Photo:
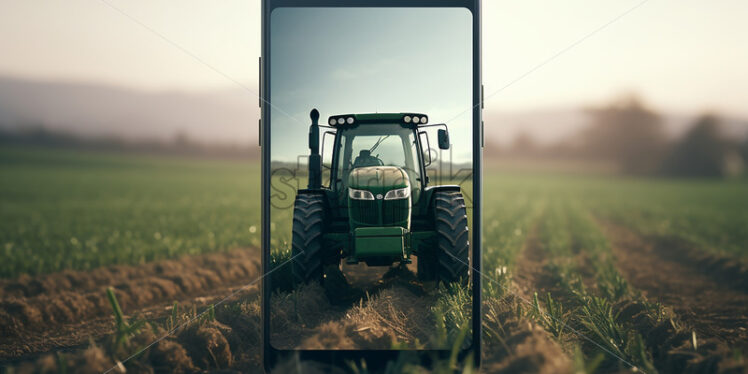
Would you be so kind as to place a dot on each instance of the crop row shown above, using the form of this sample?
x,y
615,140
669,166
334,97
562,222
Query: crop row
x,y
76,210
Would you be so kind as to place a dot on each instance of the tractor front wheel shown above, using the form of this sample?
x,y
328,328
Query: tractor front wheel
x,y
449,262
306,242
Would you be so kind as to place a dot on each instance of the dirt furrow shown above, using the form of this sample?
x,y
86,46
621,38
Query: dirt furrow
x,y
514,345
530,274
665,274
37,314
518,344
26,286
375,308
231,340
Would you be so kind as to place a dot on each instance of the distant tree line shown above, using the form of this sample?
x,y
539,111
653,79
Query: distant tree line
x,y
629,134
181,144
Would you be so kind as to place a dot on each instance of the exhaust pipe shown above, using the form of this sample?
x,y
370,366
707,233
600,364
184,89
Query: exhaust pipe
x,y
315,160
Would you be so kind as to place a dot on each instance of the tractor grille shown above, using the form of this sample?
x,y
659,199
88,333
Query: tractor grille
x,y
395,212
364,212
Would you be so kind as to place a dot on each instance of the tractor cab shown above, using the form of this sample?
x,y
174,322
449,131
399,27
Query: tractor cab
x,y
365,148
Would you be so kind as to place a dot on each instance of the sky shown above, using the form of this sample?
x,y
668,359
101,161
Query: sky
x,y
369,60
681,55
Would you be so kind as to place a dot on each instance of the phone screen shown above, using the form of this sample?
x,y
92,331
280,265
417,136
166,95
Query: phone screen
x,y
371,178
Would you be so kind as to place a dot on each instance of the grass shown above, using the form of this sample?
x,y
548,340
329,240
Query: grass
x,y
565,213
553,319
585,254
81,210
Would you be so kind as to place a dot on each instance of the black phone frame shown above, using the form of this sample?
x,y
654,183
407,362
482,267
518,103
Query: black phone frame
x,y
374,358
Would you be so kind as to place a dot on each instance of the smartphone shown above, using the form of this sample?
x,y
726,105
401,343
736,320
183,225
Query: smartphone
x,y
371,139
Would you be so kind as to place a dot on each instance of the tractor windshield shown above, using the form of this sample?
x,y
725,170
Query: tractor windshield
x,y
378,145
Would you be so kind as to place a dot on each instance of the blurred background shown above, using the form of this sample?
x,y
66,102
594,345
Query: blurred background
x,y
645,94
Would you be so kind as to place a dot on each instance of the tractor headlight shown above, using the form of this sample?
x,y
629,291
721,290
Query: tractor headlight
x,y
416,119
349,120
341,120
400,193
332,121
360,194
407,119
424,119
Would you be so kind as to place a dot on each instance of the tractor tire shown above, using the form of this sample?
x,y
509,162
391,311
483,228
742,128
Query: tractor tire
x,y
451,226
306,244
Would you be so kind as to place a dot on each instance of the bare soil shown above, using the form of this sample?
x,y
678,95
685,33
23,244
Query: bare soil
x,y
371,309
230,342
376,307
65,310
665,274
530,275
525,346
521,346
366,308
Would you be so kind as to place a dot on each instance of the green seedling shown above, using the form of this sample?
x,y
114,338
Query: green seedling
x,y
123,330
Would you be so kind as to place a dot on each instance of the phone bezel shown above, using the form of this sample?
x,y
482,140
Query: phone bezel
x,y
272,355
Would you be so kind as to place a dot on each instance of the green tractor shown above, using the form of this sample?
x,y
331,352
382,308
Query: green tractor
x,y
378,207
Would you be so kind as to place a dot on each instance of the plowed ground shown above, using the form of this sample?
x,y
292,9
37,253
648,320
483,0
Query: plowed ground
x,y
66,309
64,312
666,271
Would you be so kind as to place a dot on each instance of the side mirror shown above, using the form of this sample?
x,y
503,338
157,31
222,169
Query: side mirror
x,y
443,136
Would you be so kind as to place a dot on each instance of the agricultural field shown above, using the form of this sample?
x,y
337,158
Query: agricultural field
x,y
619,272
83,210
103,253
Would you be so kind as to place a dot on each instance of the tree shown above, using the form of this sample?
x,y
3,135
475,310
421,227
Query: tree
x,y
627,133
702,152
524,144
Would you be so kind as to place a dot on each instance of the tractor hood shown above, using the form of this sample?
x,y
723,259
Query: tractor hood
x,y
378,179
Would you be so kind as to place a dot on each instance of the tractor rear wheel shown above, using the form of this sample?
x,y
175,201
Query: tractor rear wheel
x,y
306,242
451,259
